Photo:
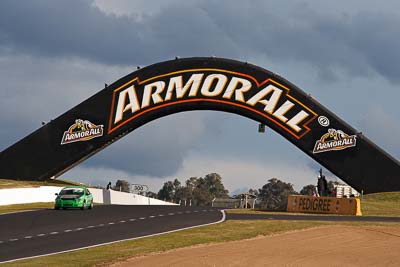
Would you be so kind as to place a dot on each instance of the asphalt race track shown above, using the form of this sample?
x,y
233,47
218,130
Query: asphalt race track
x,y
43,232
29,234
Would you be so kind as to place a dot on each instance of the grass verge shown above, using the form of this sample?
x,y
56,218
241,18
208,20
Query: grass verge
x,y
4,183
381,204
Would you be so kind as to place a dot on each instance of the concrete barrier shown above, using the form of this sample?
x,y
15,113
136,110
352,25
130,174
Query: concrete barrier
x,y
329,205
122,198
28,195
12,196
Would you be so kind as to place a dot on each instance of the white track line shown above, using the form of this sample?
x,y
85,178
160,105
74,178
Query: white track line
x,y
128,239
110,223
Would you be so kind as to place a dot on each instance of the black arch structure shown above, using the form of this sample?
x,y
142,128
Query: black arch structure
x,y
201,84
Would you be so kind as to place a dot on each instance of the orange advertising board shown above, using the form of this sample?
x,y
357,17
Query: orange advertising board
x,y
328,205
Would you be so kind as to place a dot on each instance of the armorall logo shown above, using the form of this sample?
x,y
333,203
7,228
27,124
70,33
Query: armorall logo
x,y
267,98
81,130
334,140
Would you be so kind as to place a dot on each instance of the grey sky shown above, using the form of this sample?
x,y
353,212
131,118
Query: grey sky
x,y
55,54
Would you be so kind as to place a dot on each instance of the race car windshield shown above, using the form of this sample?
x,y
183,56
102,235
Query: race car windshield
x,y
72,192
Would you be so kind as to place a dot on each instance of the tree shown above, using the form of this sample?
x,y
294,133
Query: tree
x,y
123,186
200,191
308,190
167,192
253,192
215,185
184,194
274,194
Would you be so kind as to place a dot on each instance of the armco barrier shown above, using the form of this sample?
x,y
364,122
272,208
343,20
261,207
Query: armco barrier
x,y
12,196
329,205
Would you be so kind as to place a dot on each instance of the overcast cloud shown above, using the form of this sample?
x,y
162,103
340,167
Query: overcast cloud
x,y
55,54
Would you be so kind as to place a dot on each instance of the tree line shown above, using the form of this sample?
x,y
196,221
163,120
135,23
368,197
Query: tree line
x,y
201,191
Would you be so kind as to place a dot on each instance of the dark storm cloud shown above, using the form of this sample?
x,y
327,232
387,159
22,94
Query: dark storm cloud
x,y
55,54
357,44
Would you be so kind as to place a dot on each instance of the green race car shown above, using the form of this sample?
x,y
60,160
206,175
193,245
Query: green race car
x,y
74,197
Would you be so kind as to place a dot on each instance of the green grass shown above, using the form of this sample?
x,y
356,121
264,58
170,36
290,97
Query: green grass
x,y
381,204
4,183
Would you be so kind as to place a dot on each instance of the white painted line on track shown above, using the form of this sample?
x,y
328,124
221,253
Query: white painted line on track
x,y
102,224
128,239
110,223
13,239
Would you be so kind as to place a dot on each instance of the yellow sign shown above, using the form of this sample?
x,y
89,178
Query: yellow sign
x,y
329,205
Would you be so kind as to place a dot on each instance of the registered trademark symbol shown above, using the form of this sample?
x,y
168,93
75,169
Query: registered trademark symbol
x,y
323,121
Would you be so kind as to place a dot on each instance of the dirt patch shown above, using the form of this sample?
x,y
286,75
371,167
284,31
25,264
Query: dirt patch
x,y
325,246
